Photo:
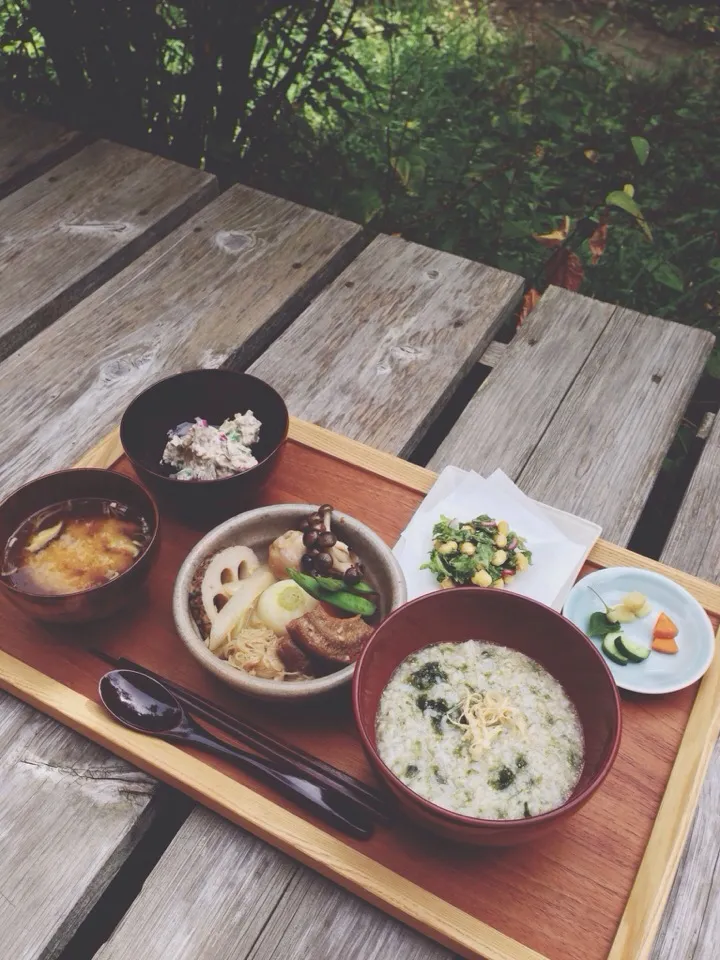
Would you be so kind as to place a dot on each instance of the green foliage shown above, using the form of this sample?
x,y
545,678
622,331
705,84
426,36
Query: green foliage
x,y
200,80
471,141
412,116
692,21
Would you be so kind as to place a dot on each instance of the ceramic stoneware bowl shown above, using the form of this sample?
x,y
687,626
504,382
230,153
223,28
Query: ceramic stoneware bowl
x,y
257,529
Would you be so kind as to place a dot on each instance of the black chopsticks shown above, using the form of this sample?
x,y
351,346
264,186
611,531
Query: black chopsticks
x,y
373,801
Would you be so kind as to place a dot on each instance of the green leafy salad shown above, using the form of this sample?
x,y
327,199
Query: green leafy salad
x,y
483,552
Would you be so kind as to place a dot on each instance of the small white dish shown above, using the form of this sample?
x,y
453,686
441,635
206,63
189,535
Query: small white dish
x,y
661,672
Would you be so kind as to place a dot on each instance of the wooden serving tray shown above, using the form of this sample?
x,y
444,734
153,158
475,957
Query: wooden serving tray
x,y
594,889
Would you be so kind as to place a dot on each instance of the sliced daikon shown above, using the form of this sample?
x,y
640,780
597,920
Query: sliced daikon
x,y
282,602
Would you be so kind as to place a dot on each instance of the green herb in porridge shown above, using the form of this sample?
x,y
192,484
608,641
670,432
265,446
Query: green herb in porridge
x,y
472,724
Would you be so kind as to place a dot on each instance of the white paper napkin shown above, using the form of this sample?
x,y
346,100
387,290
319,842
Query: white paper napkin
x,y
559,541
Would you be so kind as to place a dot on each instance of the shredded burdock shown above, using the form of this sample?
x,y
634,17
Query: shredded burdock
x,y
482,717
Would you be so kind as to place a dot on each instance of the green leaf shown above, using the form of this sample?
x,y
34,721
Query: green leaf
x,y
642,149
402,168
618,198
516,229
668,275
599,23
714,264
599,625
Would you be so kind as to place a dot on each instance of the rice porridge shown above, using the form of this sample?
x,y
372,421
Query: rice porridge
x,y
481,730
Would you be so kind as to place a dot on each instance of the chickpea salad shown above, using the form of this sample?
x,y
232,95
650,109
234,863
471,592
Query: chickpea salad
x,y
482,552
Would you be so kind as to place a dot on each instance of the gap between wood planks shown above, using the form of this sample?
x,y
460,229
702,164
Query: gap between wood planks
x,y
171,811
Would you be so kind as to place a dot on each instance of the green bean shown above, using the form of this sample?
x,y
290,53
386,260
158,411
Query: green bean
x,y
330,583
362,587
350,602
342,598
304,580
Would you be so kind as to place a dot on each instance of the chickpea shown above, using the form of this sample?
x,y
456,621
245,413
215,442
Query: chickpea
x,y
481,579
437,544
521,561
447,582
468,549
498,583
468,526
498,558
503,527
449,547
500,540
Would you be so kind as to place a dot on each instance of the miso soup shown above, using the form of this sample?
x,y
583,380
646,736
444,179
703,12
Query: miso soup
x,y
73,546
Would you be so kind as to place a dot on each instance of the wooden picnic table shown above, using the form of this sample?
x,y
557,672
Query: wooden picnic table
x,y
117,267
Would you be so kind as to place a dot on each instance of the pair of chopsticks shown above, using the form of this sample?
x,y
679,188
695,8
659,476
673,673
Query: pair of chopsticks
x,y
375,803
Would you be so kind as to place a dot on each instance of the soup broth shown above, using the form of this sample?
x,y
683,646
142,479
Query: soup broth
x,y
73,546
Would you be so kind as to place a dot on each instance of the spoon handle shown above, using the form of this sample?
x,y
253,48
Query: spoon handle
x,y
335,808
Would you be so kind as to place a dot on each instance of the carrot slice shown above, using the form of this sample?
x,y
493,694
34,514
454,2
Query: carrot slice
x,y
664,628
665,645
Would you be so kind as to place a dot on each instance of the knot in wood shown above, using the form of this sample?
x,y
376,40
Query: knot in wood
x,y
233,241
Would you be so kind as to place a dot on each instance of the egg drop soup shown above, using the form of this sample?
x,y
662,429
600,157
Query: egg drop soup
x,y
74,546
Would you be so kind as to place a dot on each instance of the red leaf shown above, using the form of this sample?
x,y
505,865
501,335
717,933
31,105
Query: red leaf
x,y
597,242
565,269
529,301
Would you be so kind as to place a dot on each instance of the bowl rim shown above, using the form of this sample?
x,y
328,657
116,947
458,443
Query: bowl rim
x,y
199,484
75,472
238,679
459,819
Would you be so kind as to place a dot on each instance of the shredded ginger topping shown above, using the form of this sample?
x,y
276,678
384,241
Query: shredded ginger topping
x,y
482,717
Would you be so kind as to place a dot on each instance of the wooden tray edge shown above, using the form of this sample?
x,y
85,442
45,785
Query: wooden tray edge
x,y
643,910
649,894
301,840
604,553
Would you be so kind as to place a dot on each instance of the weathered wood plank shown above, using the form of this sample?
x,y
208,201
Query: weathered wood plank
x,y
694,541
70,230
319,920
29,146
69,815
582,407
210,895
220,285
378,354
690,927
602,451
406,326
494,354
219,890
502,424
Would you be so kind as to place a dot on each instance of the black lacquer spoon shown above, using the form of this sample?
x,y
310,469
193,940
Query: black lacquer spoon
x,y
144,704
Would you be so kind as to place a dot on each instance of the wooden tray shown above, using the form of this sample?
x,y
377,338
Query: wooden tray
x,y
595,889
